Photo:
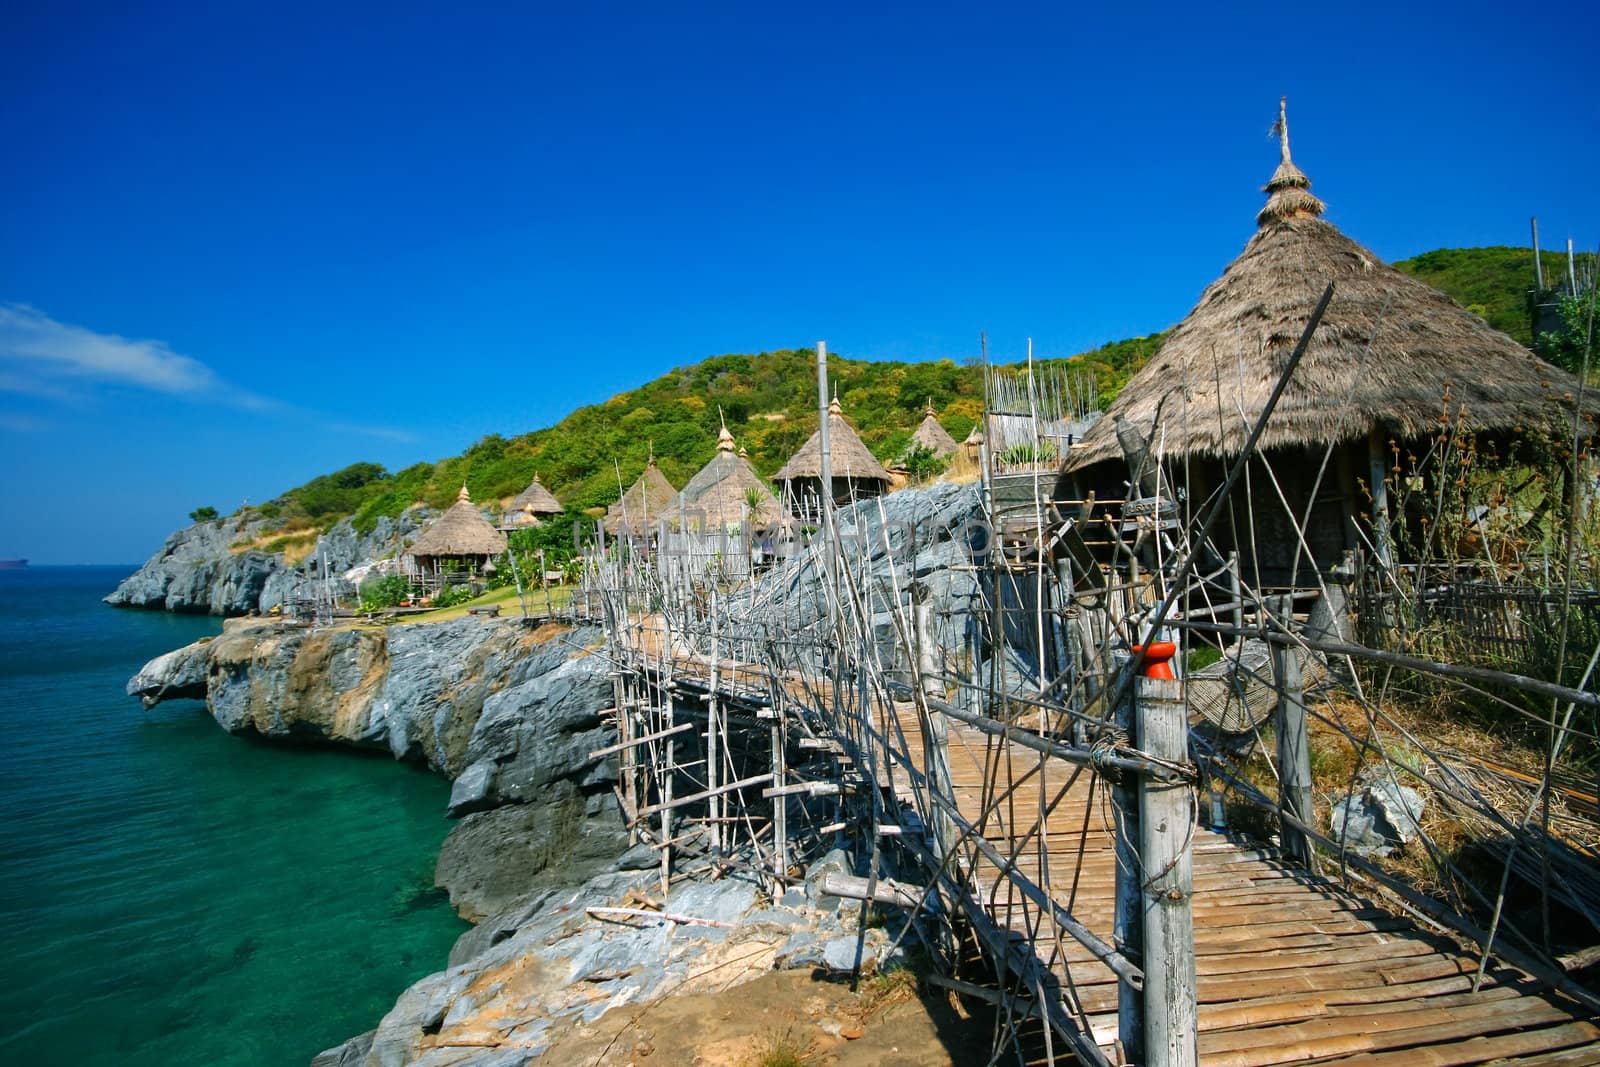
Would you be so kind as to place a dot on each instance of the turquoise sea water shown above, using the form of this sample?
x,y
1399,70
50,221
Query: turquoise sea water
x,y
173,895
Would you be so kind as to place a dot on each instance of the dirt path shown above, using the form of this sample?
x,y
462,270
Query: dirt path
x,y
814,1022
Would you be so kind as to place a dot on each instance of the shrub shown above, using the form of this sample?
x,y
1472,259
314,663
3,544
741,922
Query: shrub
x,y
452,595
922,464
385,592
205,514
1026,452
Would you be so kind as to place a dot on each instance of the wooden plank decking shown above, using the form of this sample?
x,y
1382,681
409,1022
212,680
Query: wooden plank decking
x,y
1292,969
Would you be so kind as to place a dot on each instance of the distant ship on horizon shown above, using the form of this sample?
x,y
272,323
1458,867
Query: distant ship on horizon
x,y
12,564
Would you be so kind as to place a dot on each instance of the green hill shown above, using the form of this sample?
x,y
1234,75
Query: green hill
x,y
769,402
1493,282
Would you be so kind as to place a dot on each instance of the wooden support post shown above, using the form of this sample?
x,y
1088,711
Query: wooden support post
x,y
713,729
1235,590
936,751
780,810
1294,746
667,772
626,771
1166,837
1378,470
1128,924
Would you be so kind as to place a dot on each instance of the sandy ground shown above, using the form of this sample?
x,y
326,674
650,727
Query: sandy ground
x,y
818,1022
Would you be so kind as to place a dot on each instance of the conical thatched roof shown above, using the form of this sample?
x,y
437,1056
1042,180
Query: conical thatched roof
x,y
848,457
932,436
460,531
536,500
1216,370
643,503
718,493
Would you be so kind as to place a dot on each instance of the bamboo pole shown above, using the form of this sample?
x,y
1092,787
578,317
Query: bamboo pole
x,y
1128,921
1294,746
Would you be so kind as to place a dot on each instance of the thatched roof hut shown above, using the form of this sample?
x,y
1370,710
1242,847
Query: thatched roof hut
x,y
1388,351
855,470
724,492
932,436
459,540
643,503
535,500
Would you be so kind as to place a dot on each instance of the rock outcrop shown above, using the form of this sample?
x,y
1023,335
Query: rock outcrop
x,y
419,691
198,571
556,959
202,569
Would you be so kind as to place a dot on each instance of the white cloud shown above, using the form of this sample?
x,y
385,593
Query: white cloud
x,y
48,360
38,348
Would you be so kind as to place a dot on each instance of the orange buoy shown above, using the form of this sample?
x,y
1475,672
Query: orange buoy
x,y
1156,655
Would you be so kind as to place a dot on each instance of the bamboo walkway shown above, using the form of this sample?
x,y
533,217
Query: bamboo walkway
x,y
1291,968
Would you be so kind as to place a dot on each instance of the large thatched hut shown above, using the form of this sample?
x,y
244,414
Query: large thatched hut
x,y
724,494
1390,357
643,503
531,507
930,434
459,545
855,471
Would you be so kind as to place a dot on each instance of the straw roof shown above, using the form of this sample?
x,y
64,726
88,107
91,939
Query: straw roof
x,y
535,500
932,436
848,457
719,492
1386,352
460,531
644,501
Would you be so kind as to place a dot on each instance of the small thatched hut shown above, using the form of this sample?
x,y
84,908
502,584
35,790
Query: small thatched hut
x,y
643,503
457,546
724,493
932,436
1390,355
855,471
530,507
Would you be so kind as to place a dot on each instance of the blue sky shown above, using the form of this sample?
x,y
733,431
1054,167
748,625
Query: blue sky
x,y
242,245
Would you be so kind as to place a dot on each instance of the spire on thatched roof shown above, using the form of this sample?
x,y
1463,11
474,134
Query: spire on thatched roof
x,y
722,491
460,531
643,503
932,436
1288,190
536,499
848,457
1387,350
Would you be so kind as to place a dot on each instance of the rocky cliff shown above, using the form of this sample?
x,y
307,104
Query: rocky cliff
x,y
510,715
203,569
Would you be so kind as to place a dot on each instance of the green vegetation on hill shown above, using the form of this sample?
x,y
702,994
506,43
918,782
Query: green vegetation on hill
x,y
769,402
1493,282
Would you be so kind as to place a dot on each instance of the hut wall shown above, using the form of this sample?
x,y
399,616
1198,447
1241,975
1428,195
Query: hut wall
x,y
1262,530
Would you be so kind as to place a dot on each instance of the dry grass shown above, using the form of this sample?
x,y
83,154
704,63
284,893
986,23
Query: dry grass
x,y
295,544
784,1046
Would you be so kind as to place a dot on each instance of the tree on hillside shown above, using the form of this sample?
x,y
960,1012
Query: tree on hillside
x,y
1573,345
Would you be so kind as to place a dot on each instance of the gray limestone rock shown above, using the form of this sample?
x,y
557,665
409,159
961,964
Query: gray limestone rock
x,y
493,858
208,567
1380,817
199,570
176,675
544,729
351,1053
472,789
